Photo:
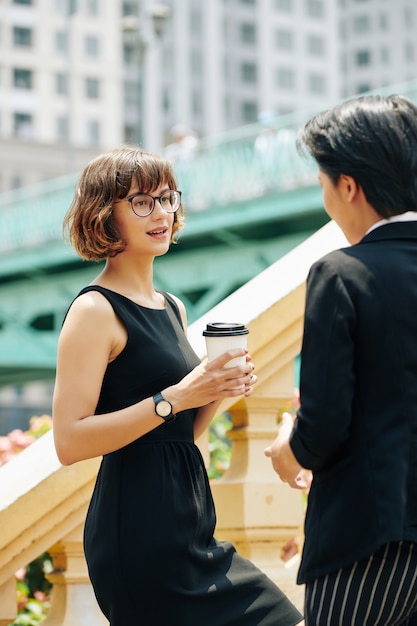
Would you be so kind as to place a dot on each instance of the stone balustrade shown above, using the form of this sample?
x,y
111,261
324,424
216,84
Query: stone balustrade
x,y
43,505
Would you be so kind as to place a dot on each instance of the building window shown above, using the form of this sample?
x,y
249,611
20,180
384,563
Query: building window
x,y
93,132
167,99
131,95
130,8
28,2
130,56
91,44
285,78
92,88
249,112
17,181
196,23
22,36
315,45
361,24
409,17
314,8
92,7
61,41
129,133
23,125
197,102
62,128
317,84
363,57
363,88
196,63
65,7
248,72
284,5
385,56
61,84
284,39
22,79
383,21
409,51
248,33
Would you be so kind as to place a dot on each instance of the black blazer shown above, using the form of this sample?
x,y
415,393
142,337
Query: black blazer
x,y
357,426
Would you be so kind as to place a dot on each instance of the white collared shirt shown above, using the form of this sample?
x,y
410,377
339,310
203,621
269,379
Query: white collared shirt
x,y
408,216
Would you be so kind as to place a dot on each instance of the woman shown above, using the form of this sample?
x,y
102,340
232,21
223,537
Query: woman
x,y
130,388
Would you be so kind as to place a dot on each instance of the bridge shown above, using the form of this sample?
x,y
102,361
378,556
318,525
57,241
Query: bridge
x,y
42,504
249,198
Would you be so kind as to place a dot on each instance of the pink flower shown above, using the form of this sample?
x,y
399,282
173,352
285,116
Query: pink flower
x,y
21,573
20,439
5,444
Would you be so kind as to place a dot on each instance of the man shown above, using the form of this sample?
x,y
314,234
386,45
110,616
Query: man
x,y
356,428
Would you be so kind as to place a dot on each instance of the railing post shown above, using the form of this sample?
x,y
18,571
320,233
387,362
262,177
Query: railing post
x,y
8,602
73,601
255,510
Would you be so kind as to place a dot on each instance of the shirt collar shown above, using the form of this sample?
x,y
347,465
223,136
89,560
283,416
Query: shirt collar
x,y
408,216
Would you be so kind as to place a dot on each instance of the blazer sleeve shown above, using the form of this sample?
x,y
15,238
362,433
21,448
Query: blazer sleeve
x,y
327,376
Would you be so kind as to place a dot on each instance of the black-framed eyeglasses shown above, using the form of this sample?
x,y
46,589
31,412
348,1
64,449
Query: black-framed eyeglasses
x,y
143,204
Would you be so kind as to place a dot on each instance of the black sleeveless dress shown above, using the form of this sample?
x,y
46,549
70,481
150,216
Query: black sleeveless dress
x,y
149,545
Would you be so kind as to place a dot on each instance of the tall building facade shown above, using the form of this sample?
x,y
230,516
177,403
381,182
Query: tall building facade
x,y
60,86
80,76
378,45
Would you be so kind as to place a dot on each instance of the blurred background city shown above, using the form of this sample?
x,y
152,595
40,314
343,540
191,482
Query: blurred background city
x,y
218,86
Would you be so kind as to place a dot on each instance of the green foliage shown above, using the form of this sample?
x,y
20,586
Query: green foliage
x,y
32,588
220,446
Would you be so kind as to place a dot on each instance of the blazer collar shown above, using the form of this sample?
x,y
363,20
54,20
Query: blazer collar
x,y
393,230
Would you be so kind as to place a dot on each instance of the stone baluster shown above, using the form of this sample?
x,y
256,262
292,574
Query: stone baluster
x,y
8,605
255,510
73,600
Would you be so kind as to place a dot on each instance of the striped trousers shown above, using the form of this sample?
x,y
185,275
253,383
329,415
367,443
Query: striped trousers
x,y
380,590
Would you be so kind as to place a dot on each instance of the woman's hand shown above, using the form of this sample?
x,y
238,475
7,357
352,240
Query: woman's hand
x,y
211,381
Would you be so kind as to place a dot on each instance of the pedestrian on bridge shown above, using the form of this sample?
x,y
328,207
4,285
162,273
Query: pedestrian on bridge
x,y
356,427
130,388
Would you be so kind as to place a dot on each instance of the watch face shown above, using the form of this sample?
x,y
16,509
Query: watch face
x,y
163,408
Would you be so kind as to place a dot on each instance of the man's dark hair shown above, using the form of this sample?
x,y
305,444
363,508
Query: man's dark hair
x,y
374,140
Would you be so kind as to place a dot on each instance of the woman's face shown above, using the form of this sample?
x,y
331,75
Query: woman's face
x,y
150,235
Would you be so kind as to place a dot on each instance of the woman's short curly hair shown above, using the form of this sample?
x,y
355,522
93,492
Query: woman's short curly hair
x,y
108,177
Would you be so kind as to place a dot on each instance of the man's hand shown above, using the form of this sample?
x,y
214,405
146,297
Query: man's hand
x,y
283,460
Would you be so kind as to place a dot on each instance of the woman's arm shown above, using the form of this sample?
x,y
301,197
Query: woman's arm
x,y
91,337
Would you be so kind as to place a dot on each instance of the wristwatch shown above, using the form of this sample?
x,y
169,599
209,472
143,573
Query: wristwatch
x,y
163,408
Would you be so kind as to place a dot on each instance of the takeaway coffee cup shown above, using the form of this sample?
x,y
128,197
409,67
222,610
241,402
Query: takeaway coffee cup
x,y
223,336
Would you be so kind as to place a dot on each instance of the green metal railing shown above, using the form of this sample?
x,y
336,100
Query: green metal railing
x,y
247,163
233,168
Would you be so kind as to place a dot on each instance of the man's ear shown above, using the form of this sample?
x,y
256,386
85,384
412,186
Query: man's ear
x,y
349,187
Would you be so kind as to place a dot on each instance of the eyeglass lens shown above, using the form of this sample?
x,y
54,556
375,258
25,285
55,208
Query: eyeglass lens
x,y
143,204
